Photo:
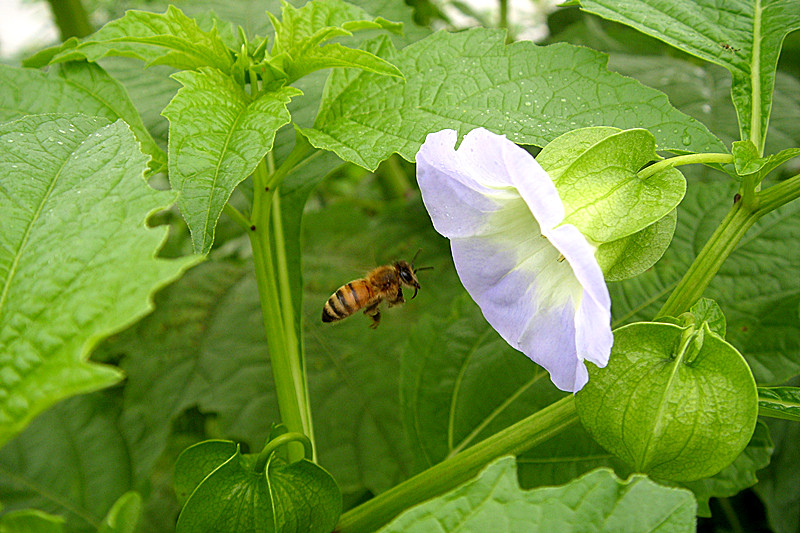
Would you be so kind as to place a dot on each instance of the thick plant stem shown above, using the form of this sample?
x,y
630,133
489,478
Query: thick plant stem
x,y
744,213
284,350
460,468
392,179
71,18
779,194
709,260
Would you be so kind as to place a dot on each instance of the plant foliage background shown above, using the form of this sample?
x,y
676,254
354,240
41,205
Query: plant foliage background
x,y
434,378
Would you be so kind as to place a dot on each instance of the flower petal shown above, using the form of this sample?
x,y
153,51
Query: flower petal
x,y
502,212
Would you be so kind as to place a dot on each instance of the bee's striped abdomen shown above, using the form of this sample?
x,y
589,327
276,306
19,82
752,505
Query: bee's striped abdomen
x,y
347,300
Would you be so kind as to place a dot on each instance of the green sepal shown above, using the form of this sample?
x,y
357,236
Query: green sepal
x,y
630,256
779,402
603,195
705,311
676,403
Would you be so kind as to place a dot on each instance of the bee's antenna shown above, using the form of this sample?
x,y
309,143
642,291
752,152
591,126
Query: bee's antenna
x,y
422,268
415,257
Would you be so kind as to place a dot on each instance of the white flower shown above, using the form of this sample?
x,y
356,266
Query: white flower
x,y
536,280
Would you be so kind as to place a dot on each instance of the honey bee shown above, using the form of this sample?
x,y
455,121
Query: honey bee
x,y
383,283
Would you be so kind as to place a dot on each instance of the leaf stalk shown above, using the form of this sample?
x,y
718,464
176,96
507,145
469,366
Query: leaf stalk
x,y
460,468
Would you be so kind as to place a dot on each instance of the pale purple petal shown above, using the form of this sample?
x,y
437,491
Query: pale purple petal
x,y
501,212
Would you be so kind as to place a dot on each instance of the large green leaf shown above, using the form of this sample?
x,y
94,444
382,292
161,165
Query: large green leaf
x,y
449,360
69,87
471,79
744,36
756,287
76,258
778,487
169,38
598,501
73,461
217,137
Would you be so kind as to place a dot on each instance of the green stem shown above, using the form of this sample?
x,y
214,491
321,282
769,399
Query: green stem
x,y
237,216
277,442
297,362
460,468
71,18
687,159
392,179
708,262
289,377
744,213
301,148
503,22
778,195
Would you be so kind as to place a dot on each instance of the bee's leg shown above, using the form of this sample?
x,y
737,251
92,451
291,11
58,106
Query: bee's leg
x,y
374,313
398,298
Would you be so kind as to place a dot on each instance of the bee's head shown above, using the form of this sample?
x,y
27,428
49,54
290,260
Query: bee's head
x,y
408,274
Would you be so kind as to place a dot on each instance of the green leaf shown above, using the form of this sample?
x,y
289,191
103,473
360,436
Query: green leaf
x,y
603,195
778,487
598,501
170,38
472,79
72,461
150,89
231,496
756,287
779,402
71,86
676,403
30,521
217,137
197,462
744,38
300,33
630,256
124,514
706,311
747,160
74,244
449,359
306,496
